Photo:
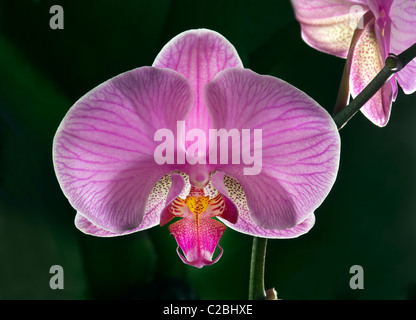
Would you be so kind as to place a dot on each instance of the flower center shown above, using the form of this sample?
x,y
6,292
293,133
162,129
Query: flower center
x,y
199,176
197,204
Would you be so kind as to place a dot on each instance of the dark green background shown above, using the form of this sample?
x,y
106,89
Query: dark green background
x,y
368,219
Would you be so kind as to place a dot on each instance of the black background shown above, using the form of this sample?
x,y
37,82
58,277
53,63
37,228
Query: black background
x,y
368,219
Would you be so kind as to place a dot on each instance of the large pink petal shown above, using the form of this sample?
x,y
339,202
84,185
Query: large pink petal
x,y
403,35
199,55
328,25
103,149
366,62
299,151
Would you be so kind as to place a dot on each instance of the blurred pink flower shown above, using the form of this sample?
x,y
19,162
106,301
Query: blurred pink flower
x,y
365,31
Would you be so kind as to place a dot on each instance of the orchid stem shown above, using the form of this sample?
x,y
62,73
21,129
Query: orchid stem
x,y
258,258
392,65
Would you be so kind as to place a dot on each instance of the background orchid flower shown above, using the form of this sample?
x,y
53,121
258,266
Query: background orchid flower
x,y
103,151
365,32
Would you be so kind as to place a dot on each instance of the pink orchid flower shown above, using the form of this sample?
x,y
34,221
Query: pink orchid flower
x,y
365,32
104,151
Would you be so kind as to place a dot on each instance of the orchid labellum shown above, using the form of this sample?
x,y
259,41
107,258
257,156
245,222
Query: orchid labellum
x,y
107,160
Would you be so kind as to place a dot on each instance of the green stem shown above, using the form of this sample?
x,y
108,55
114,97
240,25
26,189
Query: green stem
x,y
392,65
258,257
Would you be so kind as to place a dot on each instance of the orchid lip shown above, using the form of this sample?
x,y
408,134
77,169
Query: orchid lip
x,y
199,263
197,233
